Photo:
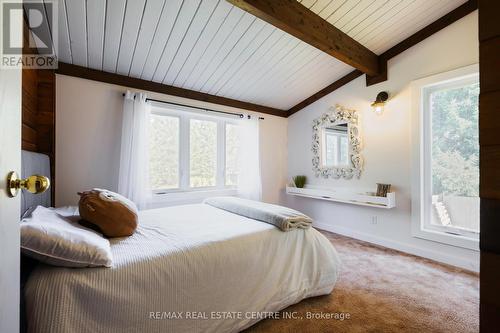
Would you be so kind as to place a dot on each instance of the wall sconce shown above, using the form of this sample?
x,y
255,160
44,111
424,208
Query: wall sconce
x,y
378,105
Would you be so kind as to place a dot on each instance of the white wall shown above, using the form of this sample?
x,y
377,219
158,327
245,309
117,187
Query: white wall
x,y
387,149
88,132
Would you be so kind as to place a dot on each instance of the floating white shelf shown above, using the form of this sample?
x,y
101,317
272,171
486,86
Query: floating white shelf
x,y
349,197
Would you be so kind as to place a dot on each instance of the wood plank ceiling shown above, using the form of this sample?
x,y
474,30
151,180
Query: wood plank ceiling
x,y
213,47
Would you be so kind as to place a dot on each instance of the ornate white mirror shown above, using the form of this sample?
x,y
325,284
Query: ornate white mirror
x,y
337,145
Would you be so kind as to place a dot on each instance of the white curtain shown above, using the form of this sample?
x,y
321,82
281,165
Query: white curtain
x,y
249,180
133,181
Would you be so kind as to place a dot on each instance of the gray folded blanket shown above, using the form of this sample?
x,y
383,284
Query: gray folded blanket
x,y
282,217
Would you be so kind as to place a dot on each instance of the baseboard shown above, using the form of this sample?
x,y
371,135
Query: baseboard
x,y
425,253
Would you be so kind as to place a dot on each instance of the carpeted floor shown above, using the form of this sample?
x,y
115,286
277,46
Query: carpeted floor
x,y
386,291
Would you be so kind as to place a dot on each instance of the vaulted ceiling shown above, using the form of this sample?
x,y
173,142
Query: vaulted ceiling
x,y
213,47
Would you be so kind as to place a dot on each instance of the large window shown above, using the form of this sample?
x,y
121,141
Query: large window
x,y
190,151
449,172
454,155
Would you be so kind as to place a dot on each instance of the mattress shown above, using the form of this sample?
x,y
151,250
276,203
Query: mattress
x,y
192,268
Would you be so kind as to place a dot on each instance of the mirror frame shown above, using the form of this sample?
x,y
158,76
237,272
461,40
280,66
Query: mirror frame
x,y
335,115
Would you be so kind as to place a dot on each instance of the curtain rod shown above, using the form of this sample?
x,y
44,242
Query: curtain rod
x,y
241,115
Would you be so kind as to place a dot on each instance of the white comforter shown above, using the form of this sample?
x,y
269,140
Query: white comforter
x,y
192,268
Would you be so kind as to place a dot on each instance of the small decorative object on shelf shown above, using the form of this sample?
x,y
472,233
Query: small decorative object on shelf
x,y
383,189
299,181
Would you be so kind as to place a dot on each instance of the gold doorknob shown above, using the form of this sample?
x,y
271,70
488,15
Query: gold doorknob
x,y
35,184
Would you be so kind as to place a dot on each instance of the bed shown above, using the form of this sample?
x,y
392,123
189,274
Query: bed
x,y
192,268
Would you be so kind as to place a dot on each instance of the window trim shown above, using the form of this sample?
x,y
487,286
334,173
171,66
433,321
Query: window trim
x,y
420,151
185,114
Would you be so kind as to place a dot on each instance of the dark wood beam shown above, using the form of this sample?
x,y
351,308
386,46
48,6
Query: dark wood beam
x,y
121,80
489,165
419,36
295,19
414,39
325,91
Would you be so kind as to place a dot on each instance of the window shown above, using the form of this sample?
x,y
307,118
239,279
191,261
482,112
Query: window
x,y
449,158
190,151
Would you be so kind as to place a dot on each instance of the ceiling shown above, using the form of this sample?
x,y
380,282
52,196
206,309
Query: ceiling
x,y
213,47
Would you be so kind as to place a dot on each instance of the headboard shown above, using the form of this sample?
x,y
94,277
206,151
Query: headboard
x,y
34,163
31,163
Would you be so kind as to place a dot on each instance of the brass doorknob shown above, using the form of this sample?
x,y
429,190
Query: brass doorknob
x,y
35,184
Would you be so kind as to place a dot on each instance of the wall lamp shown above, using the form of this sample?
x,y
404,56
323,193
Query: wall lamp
x,y
378,105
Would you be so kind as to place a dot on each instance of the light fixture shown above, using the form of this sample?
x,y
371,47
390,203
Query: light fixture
x,y
378,105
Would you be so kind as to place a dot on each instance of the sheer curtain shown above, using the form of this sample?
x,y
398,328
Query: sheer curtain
x,y
249,180
133,181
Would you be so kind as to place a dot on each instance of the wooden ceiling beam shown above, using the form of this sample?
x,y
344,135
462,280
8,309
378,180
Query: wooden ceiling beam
x,y
414,39
126,81
295,19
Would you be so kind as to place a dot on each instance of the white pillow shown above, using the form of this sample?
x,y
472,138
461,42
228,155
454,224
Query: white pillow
x,y
58,239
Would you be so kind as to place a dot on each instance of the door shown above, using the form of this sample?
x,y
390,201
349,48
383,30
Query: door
x,y
489,150
10,159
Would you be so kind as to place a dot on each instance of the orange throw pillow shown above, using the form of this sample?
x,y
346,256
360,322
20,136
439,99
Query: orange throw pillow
x,y
113,214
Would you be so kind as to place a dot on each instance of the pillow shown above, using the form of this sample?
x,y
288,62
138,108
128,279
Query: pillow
x,y
57,240
113,214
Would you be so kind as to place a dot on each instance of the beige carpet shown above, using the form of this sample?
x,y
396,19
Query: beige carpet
x,y
388,291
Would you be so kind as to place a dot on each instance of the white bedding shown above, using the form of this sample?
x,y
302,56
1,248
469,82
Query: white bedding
x,y
183,261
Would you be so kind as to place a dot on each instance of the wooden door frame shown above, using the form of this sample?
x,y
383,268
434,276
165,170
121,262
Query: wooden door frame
x,y
489,140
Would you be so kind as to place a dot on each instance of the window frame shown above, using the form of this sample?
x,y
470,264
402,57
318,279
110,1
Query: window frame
x,y
422,152
185,114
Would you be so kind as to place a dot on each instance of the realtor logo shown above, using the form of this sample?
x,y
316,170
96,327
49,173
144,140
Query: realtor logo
x,y
29,34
